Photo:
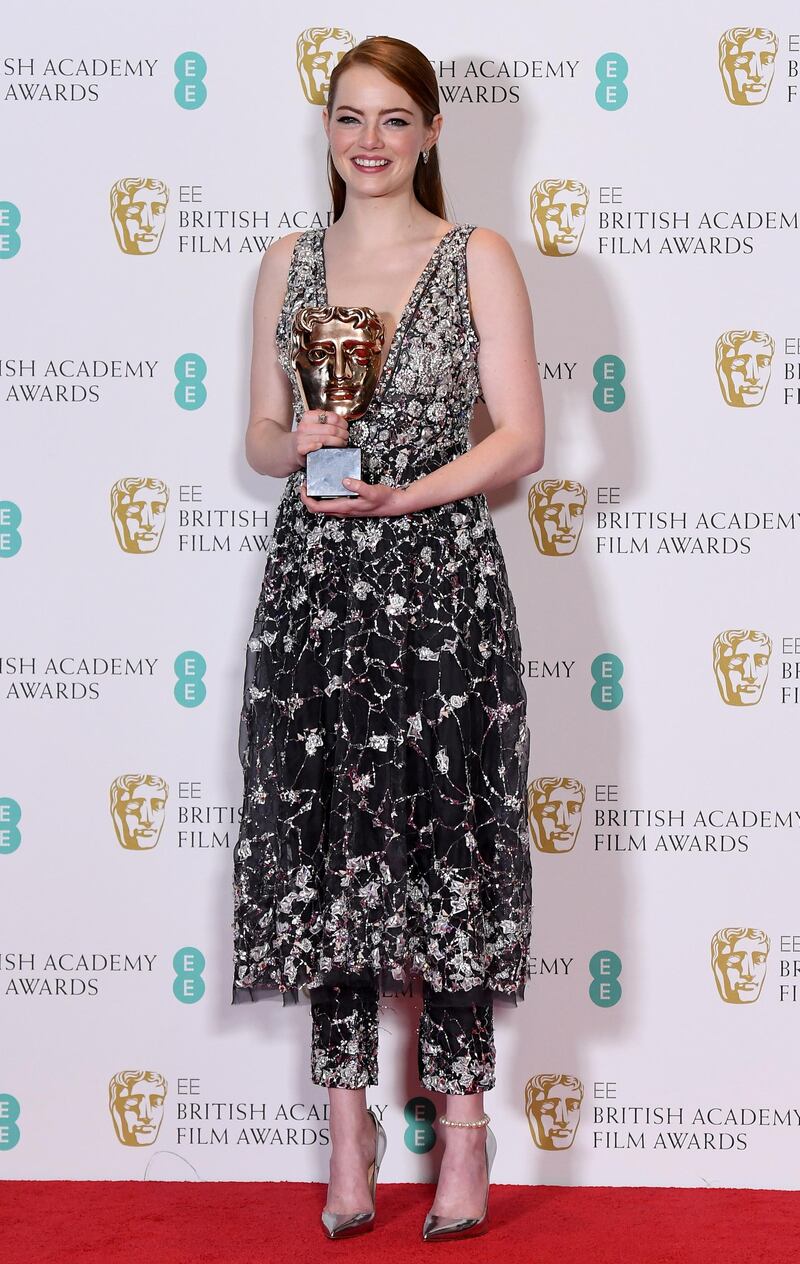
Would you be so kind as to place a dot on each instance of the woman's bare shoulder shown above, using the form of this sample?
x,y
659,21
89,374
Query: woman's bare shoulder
x,y
488,248
277,257
492,263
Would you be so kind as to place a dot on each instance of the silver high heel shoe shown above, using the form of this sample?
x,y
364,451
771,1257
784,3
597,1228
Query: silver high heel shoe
x,y
341,1224
443,1228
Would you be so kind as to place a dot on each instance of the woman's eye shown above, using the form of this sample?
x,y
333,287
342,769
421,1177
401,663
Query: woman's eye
x,y
399,121
346,118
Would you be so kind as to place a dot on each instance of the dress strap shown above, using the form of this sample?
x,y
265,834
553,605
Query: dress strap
x,y
303,287
460,251
304,282
462,280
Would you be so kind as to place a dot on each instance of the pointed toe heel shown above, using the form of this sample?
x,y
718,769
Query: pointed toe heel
x,y
437,1228
450,1229
348,1224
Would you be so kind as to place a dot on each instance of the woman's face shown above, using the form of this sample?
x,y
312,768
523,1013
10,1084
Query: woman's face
x,y
376,131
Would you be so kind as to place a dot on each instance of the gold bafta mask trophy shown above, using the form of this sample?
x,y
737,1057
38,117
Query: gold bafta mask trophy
x,y
336,352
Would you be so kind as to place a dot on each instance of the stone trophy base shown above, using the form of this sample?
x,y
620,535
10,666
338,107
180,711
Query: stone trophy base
x,y
325,469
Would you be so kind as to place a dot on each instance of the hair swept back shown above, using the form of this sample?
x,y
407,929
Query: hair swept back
x,y
405,65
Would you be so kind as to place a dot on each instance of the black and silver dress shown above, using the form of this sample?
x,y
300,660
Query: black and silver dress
x,y
383,735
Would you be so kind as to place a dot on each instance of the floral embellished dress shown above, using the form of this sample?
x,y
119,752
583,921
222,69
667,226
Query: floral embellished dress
x,y
383,734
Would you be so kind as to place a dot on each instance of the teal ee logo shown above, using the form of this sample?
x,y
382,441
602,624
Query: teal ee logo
x,y
190,71
10,538
611,70
9,1114
9,223
419,1115
606,690
189,985
190,371
609,393
10,836
605,968
190,668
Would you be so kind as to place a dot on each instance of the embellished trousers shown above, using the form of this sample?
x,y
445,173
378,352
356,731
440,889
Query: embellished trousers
x,y
455,1047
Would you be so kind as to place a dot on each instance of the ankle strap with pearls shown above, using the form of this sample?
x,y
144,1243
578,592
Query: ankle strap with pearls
x,y
465,1123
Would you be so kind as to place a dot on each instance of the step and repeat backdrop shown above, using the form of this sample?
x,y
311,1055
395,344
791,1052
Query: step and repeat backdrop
x,y
644,167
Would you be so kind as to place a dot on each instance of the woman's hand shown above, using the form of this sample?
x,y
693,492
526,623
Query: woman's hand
x,y
374,500
320,428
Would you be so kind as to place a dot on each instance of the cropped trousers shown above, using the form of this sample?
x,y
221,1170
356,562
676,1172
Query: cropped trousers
x,y
455,1046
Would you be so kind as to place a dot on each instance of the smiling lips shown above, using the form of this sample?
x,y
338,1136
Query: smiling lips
x,y
363,163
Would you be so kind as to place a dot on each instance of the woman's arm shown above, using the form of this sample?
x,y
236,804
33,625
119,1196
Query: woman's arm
x,y
270,443
509,377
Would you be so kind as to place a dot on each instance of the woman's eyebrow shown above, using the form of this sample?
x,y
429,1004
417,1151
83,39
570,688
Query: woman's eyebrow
x,y
354,110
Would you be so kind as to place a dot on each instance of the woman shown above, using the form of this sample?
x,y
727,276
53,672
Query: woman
x,y
384,738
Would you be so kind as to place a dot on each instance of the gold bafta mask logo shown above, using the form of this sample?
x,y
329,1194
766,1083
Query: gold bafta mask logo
x,y
136,1103
741,665
558,215
747,63
138,213
319,50
138,511
138,804
555,511
739,963
553,1107
555,805
744,365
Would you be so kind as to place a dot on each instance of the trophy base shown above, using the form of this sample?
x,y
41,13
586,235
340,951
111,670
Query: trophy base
x,y
325,469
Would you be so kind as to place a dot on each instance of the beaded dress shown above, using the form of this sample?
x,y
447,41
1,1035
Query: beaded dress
x,y
383,733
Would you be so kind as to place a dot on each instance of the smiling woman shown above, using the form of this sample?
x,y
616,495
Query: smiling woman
x,y
384,737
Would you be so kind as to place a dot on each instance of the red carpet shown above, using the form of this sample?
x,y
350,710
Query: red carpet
x,y
74,1222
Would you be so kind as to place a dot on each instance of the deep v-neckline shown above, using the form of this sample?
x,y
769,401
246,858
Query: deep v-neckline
x,y
408,309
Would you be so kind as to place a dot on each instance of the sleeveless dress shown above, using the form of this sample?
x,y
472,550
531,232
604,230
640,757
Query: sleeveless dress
x,y
383,733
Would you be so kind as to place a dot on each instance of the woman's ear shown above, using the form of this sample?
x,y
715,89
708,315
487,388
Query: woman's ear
x,y
435,130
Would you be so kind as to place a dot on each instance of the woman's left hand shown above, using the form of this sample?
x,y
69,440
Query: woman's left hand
x,y
374,500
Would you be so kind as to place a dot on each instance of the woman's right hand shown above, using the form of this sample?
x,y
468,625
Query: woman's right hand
x,y
313,433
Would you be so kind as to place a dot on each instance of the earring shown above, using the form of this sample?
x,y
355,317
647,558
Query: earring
x,y
426,153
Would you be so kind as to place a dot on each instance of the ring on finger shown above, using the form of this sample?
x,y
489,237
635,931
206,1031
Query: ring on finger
x,y
323,417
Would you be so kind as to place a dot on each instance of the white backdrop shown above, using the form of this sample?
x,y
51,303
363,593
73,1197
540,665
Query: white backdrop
x,y
680,1075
